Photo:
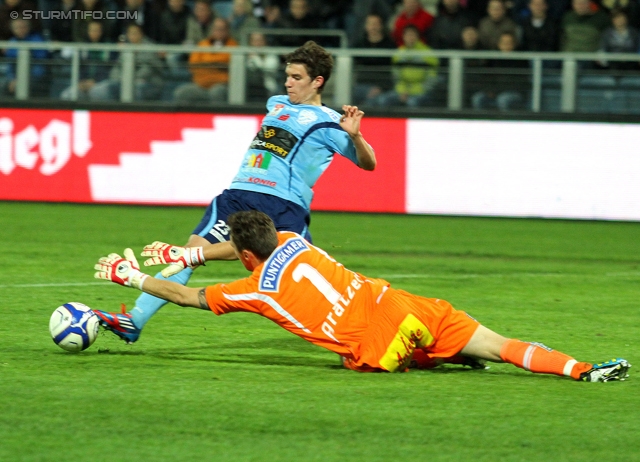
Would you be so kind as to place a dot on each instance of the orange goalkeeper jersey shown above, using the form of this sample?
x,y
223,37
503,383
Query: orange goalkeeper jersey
x,y
304,290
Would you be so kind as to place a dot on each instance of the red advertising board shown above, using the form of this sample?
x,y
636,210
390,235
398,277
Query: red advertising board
x,y
99,156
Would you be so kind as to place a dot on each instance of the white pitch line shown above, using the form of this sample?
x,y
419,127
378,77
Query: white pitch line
x,y
84,284
52,284
503,275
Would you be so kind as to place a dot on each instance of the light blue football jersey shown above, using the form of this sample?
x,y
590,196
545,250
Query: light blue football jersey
x,y
294,146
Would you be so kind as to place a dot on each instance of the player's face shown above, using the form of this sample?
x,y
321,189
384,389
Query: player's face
x,y
241,257
300,88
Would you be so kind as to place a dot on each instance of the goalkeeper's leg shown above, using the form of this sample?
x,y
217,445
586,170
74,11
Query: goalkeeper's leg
x,y
531,356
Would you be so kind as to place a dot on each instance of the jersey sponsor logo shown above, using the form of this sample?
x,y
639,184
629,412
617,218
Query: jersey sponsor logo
x,y
284,117
275,140
276,109
278,261
333,114
261,181
258,163
306,116
412,334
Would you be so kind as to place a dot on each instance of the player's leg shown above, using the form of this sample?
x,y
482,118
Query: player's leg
x,y
147,305
128,326
536,357
286,215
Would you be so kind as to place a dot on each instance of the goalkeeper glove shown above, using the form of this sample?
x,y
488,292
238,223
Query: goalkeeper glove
x,y
124,271
178,258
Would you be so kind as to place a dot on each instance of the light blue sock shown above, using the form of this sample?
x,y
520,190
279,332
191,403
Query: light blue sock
x,y
147,305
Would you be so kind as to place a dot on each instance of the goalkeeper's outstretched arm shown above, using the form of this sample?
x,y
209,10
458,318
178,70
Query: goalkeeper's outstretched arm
x,y
175,293
126,271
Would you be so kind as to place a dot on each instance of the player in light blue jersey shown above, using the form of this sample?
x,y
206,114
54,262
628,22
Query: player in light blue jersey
x,y
294,146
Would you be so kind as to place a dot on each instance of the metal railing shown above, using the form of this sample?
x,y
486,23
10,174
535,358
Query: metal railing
x,y
568,69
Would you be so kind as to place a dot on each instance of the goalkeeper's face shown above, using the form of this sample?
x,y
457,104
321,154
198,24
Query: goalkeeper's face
x,y
301,89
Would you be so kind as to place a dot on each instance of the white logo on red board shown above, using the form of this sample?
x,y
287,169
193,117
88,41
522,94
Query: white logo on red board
x,y
53,146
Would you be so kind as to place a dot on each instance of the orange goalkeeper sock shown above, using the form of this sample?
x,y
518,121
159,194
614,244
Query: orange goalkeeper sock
x,y
536,357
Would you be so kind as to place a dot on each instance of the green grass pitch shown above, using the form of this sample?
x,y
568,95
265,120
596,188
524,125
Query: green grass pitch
x,y
239,388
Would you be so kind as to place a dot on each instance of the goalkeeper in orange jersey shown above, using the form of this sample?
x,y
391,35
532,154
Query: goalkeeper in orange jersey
x,y
371,325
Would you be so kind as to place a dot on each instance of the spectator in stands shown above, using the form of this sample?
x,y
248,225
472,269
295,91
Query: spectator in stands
x,y
95,65
496,23
173,23
242,20
539,31
414,76
39,72
446,31
262,70
505,88
372,74
173,31
90,8
620,38
299,16
555,10
12,9
478,8
61,30
581,28
210,71
332,13
147,74
144,13
200,22
473,80
630,7
360,10
411,13
272,20
470,39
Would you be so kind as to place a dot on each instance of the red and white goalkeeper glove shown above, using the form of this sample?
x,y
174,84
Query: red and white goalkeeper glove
x,y
124,271
178,258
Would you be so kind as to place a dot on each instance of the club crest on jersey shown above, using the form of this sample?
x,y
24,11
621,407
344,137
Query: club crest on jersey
x,y
278,261
306,117
277,109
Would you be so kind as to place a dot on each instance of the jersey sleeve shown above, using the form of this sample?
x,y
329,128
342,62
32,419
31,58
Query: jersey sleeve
x,y
221,297
339,141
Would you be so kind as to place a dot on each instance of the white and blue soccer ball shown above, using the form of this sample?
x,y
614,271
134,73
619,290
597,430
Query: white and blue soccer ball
x,y
74,326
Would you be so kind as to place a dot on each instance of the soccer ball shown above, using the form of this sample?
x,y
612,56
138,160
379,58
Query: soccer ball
x,y
73,326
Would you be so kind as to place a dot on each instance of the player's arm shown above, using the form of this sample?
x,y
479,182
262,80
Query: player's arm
x,y
126,271
179,258
175,293
219,251
350,123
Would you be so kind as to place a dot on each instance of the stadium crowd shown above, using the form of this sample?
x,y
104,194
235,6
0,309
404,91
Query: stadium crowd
x,y
610,26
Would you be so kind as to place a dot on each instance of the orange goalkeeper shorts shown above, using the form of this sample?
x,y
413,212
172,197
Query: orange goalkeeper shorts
x,y
403,322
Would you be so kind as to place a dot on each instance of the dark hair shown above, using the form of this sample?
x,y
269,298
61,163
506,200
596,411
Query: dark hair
x,y
316,60
412,27
618,12
253,230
